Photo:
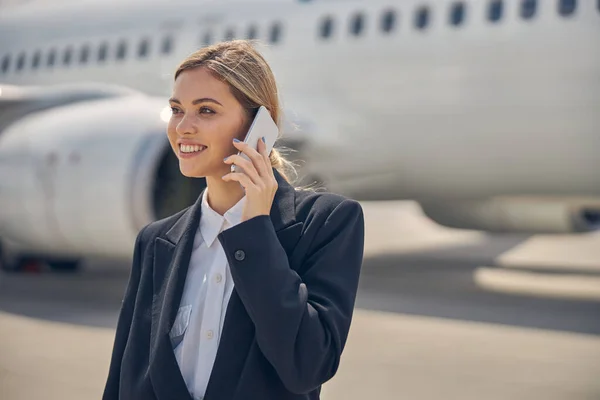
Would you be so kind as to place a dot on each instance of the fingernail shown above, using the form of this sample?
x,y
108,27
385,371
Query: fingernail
x,y
225,159
263,139
236,140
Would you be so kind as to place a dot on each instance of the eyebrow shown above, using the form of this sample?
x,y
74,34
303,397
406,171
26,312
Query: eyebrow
x,y
197,101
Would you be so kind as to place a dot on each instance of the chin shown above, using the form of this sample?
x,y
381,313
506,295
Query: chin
x,y
190,171
189,174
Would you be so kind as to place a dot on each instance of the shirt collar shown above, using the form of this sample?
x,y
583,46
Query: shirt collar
x,y
212,223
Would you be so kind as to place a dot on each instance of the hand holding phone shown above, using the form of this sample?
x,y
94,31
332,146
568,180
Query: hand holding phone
x,y
259,187
262,126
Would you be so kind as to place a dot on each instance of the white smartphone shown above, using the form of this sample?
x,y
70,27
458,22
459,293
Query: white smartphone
x,y
262,126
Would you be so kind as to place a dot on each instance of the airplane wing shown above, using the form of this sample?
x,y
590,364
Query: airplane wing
x,y
18,101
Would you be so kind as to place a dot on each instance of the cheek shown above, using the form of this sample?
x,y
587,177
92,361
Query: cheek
x,y
222,135
236,129
222,147
171,130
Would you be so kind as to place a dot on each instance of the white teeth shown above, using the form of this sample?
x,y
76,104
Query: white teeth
x,y
190,148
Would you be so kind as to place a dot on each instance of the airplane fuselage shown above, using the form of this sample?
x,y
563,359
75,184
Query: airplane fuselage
x,y
406,101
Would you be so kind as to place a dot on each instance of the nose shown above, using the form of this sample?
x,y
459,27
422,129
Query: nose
x,y
185,125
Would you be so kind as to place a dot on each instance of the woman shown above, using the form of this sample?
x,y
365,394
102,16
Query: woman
x,y
248,293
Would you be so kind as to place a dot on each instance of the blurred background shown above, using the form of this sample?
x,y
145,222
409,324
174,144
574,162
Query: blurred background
x,y
468,129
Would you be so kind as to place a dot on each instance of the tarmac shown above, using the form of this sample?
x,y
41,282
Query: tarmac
x,y
440,313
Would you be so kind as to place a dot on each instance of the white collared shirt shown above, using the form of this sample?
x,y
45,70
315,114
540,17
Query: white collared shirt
x,y
206,293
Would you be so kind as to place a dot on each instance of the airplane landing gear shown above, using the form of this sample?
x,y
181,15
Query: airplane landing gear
x,y
22,263
64,265
10,263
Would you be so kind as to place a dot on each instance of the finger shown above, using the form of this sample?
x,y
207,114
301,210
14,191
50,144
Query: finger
x,y
239,177
253,155
247,166
262,149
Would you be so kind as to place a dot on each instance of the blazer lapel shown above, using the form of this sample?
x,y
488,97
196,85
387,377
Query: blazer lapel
x,y
283,213
171,260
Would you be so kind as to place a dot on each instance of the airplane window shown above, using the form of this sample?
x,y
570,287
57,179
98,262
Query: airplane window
x,y
388,21
207,39
422,18
567,7
495,9
229,35
121,50
143,48
457,14
20,61
167,45
5,63
275,33
528,8
102,52
35,61
252,32
327,27
51,58
67,56
357,24
84,56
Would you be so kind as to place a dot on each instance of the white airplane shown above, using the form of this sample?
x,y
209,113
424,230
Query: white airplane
x,y
484,111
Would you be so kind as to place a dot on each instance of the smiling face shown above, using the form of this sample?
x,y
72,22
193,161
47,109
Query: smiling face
x,y
206,117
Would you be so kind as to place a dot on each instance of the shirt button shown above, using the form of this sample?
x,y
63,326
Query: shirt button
x,y
218,278
240,255
210,334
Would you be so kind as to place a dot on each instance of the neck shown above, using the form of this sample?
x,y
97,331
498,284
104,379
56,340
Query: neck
x,y
221,195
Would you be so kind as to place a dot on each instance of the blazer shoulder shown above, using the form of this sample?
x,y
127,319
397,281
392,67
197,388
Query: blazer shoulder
x,y
160,227
319,206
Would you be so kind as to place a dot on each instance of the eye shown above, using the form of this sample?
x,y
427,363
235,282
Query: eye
x,y
206,110
175,110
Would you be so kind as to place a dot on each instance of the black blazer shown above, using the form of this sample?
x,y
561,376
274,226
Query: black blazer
x,y
295,274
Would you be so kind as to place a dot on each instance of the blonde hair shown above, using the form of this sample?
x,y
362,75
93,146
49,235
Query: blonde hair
x,y
251,81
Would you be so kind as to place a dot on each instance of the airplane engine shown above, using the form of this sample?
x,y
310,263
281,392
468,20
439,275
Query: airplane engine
x,y
517,215
83,178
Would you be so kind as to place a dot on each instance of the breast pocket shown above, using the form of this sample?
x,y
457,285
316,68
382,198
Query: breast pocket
x,y
182,321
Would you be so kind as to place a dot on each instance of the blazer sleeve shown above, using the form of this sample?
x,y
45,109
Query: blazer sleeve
x,y
111,389
301,323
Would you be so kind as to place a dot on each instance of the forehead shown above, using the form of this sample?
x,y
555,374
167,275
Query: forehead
x,y
199,82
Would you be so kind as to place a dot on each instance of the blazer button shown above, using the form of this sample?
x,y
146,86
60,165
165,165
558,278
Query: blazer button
x,y
240,255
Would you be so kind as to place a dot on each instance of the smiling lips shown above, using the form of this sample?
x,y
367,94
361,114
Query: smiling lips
x,y
191,148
